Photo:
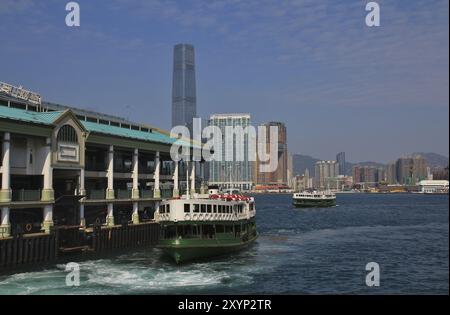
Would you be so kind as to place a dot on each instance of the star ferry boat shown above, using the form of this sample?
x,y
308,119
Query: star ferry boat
x,y
206,225
314,199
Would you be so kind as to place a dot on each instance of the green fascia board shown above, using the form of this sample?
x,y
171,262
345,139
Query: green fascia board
x,y
104,139
25,128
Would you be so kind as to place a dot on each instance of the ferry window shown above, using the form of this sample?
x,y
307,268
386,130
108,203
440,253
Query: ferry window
x,y
197,208
162,209
208,209
203,208
168,208
220,229
215,208
220,208
228,228
187,208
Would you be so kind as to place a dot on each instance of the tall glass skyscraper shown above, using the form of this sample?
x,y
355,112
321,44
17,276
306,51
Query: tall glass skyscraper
x,y
340,158
233,173
184,96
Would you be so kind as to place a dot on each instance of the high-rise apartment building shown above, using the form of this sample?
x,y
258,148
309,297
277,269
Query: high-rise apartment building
x,y
340,158
233,173
411,169
391,174
356,173
366,175
184,96
326,174
280,175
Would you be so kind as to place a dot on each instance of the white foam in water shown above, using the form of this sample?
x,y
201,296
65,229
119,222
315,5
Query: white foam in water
x,y
33,282
138,274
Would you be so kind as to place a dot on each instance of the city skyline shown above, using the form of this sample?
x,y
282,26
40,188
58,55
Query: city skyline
x,y
330,68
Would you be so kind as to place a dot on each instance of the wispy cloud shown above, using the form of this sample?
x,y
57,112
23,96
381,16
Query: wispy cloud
x,y
15,6
403,61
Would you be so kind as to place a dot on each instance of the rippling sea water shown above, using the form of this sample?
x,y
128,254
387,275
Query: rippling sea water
x,y
305,251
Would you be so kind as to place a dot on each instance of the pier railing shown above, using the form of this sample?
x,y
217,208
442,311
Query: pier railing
x,y
123,194
26,195
166,193
146,194
96,194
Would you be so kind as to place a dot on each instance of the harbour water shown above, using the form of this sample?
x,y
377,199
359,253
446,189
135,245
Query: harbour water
x,y
304,251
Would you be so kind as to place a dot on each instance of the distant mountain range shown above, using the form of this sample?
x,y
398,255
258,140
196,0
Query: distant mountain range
x,y
303,162
434,159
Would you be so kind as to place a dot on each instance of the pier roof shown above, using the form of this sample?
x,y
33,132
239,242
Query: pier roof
x,y
48,118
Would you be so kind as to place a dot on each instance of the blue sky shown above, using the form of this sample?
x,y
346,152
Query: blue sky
x,y
376,93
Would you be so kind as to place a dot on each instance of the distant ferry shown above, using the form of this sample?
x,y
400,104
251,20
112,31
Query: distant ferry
x,y
311,199
206,225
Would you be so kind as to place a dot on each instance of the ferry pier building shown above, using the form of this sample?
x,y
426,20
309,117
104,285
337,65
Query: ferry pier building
x,y
63,166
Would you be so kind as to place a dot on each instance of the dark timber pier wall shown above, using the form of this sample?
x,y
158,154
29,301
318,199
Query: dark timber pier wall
x,y
130,236
36,249
25,250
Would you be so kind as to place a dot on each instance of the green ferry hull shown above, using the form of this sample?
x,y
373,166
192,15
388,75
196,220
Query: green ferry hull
x,y
314,203
188,250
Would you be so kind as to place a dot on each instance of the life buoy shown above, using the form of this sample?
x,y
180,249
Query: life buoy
x,y
28,227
